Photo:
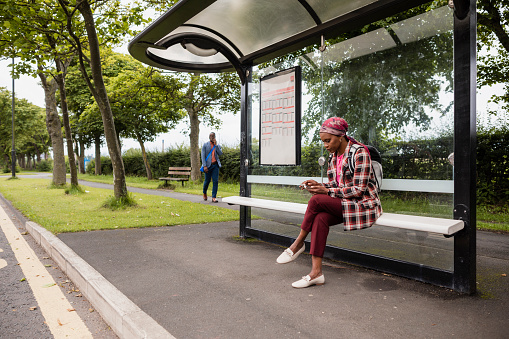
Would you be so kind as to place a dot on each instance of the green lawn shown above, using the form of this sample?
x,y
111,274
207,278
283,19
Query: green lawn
x,y
59,212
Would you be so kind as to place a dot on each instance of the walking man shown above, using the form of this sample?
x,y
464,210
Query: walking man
x,y
210,153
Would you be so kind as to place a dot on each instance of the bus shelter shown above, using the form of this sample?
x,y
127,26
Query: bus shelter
x,y
390,67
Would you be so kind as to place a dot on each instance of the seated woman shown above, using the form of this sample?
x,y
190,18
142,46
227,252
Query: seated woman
x,y
349,198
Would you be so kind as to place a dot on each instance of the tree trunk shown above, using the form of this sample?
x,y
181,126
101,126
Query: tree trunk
x,y
79,160
83,170
54,130
145,160
98,155
194,135
38,153
67,125
98,89
195,151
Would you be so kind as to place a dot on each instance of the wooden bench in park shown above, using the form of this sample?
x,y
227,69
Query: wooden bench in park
x,y
447,227
177,174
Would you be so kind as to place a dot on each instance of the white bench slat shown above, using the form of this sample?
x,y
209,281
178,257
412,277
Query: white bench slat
x,y
283,206
411,222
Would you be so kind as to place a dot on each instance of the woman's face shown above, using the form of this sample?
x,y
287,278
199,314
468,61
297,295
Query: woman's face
x,y
330,142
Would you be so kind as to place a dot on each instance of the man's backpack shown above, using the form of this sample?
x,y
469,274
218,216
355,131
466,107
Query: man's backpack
x,y
376,163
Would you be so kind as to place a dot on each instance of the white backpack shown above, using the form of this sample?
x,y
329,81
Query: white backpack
x,y
376,163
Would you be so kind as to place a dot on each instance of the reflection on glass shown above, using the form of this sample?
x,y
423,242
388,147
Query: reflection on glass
x,y
326,8
393,85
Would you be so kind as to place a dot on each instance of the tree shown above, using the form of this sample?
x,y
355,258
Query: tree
x,y
115,22
32,32
87,127
33,140
493,39
54,126
146,103
205,95
30,133
381,92
384,91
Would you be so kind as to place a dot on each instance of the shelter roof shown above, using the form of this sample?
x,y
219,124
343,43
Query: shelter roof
x,y
226,35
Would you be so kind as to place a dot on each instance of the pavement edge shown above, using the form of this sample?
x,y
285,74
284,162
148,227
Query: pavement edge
x,y
125,318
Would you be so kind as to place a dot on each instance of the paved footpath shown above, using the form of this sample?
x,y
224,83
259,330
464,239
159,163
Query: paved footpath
x,y
199,281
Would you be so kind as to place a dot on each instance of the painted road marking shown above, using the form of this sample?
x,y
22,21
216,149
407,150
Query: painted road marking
x,y
60,317
3,263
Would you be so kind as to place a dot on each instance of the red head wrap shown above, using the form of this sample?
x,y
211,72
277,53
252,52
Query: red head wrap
x,y
335,126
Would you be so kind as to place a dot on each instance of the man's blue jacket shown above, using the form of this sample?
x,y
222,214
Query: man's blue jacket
x,y
205,150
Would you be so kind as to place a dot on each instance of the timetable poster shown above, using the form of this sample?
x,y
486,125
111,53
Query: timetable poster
x,y
280,131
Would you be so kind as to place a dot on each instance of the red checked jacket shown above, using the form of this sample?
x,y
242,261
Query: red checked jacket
x,y
361,204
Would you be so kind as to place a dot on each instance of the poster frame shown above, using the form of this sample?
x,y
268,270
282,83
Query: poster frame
x,y
298,109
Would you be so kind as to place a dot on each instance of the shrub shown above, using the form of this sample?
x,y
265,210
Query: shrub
x,y
106,167
493,166
44,166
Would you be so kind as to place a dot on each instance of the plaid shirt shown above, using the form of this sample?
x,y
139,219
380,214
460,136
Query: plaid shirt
x,y
361,205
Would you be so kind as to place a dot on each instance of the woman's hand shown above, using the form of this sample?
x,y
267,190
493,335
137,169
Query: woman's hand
x,y
314,187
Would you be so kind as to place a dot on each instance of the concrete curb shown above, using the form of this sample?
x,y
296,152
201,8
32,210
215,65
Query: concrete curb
x,y
125,318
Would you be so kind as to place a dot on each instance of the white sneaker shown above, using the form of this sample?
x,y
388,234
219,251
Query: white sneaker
x,y
288,255
306,281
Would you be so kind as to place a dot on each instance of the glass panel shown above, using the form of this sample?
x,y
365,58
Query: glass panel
x,y
253,25
424,26
331,9
394,87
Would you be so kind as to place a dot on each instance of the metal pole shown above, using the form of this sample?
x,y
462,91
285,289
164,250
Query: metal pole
x,y
465,144
245,147
13,152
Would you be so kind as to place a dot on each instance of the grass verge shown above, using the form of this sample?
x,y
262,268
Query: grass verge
x,y
59,212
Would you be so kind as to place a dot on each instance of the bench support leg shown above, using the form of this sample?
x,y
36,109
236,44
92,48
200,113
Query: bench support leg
x,y
245,220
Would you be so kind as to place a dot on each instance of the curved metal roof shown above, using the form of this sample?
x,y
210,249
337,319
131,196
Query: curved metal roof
x,y
226,35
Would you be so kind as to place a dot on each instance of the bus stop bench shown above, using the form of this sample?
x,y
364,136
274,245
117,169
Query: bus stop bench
x,y
177,174
447,227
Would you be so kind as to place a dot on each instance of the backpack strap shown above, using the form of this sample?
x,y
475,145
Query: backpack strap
x,y
351,154
351,160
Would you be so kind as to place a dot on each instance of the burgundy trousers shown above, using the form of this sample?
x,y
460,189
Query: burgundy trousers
x,y
322,211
